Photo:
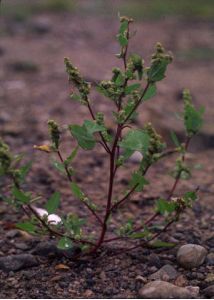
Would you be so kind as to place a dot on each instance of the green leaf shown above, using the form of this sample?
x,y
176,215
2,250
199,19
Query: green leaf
x,y
129,89
126,229
151,92
64,243
84,134
77,191
140,235
139,180
120,80
93,127
174,138
135,140
157,70
71,157
123,27
193,120
163,206
53,203
84,139
161,244
73,225
128,108
21,196
190,197
122,40
26,226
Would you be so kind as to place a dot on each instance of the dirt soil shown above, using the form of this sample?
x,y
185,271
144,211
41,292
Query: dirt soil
x,y
34,88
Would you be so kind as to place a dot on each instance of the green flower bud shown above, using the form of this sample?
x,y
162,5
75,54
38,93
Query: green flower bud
x,y
54,133
75,77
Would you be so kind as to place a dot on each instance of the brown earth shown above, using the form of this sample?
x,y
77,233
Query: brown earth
x,y
32,94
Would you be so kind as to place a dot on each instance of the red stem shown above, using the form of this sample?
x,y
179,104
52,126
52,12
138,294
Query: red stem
x,y
106,147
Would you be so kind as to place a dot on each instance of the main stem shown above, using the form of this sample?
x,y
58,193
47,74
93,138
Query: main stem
x,y
110,189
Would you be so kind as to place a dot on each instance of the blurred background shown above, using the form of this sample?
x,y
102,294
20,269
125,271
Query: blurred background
x,y
36,35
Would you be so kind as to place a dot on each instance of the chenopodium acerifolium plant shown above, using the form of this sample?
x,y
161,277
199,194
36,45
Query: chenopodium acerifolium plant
x,y
128,88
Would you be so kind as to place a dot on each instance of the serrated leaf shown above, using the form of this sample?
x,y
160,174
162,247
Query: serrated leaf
x,y
129,89
139,180
64,243
20,195
151,92
163,206
135,140
26,226
53,203
161,244
174,138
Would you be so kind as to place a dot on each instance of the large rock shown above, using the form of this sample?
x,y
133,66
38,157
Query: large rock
x,y
17,262
46,249
166,273
163,290
49,249
191,256
209,291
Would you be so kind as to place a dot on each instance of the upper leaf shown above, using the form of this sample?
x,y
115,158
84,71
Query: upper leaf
x,y
160,60
192,118
84,134
84,139
122,36
157,70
